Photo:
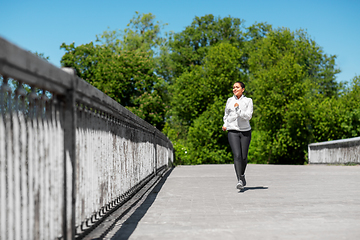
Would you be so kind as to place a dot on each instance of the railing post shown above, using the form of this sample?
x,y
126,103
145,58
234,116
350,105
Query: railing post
x,y
69,159
155,154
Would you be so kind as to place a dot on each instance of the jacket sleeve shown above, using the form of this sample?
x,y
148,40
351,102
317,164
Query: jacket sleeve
x,y
247,114
226,115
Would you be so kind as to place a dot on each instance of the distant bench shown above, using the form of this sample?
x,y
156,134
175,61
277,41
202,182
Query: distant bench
x,y
335,152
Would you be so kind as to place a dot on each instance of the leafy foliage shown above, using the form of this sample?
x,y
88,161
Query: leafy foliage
x,y
193,91
190,47
206,143
180,82
292,83
42,56
206,59
198,101
285,68
338,117
124,69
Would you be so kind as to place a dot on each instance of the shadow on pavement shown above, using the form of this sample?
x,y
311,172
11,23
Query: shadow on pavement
x,y
252,188
129,226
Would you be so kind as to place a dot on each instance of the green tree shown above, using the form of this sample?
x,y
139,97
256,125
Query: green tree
x,y
42,56
124,69
337,117
207,142
202,64
198,102
143,34
351,101
193,91
190,46
287,70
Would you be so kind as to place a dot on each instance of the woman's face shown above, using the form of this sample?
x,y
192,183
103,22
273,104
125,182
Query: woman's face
x,y
238,90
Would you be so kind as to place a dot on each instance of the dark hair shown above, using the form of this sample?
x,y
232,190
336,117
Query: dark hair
x,y
241,84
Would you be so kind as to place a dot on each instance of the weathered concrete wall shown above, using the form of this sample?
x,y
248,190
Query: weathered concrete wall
x,y
69,154
112,158
335,152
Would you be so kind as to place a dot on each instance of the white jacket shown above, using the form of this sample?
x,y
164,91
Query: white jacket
x,y
237,118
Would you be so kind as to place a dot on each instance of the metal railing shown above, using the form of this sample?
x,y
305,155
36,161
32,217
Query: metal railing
x,y
69,154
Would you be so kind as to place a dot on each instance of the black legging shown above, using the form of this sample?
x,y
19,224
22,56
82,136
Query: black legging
x,y
239,143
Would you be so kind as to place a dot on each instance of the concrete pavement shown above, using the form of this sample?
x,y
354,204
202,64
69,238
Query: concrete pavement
x,y
279,202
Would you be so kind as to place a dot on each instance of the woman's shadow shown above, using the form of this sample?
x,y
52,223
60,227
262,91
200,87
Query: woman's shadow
x,y
252,188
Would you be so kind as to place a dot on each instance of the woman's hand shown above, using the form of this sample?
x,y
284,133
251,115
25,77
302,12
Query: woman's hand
x,y
236,105
224,128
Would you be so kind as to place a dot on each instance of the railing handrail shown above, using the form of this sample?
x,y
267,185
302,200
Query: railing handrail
x,y
335,142
23,65
73,101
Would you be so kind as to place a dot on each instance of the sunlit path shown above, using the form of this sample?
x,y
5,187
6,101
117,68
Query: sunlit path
x,y
279,202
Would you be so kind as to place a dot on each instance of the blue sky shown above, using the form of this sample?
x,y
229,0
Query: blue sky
x,y
43,26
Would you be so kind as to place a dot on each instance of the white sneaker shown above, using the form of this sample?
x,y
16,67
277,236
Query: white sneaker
x,y
240,185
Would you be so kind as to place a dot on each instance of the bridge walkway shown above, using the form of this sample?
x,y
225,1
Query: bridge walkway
x,y
279,202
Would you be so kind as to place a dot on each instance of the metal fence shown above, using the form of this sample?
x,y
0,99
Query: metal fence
x,y
69,154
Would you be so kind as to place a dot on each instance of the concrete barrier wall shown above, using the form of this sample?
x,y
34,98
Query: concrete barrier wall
x,y
335,152
69,154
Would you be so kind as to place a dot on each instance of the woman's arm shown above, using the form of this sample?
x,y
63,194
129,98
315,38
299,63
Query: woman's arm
x,y
247,114
226,115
